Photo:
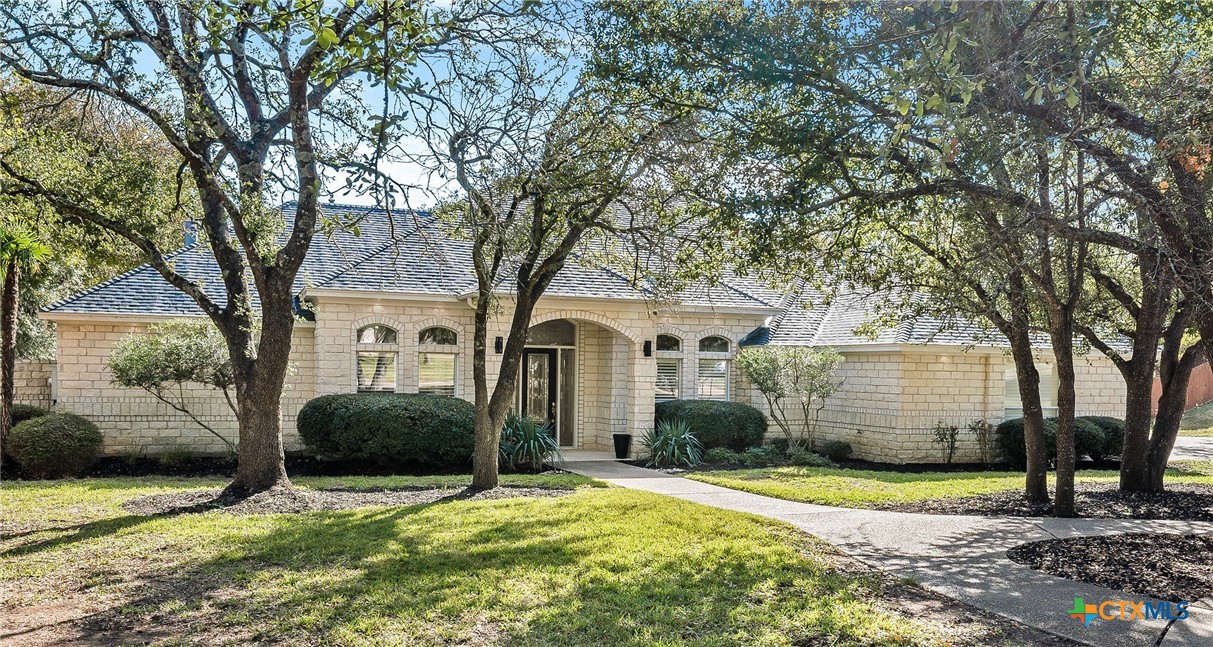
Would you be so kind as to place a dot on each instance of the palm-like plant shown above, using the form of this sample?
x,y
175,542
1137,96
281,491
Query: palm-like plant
x,y
19,250
525,443
673,444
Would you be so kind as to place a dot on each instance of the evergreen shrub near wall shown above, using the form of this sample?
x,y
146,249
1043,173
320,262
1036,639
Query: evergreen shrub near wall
x,y
1089,440
717,423
23,412
1113,435
389,428
55,445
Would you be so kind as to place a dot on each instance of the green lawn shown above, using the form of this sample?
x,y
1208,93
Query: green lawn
x,y
864,489
1198,421
600,566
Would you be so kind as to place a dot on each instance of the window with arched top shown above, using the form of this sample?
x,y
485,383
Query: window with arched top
x,y
713,370
437,361
669,343
376,334
375,356
438,335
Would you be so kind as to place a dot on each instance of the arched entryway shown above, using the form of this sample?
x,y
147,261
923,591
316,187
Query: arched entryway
x,y
547,389
578,372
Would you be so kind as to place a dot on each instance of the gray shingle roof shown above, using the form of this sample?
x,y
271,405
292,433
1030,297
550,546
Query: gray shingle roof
x,y
143,291
809,319
408,254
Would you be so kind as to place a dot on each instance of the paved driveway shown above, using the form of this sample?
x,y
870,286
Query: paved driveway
x,y
1192,448
962,557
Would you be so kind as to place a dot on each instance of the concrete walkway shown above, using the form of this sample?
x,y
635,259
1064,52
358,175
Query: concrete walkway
x,y
961,557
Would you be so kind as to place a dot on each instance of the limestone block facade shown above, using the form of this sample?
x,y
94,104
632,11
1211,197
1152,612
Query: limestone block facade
x,y
393,311
890,401
32,383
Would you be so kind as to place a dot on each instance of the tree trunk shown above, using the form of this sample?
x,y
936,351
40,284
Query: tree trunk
x,y
9,301
1036,487
259,384
1134,459
1166,428
1138,372
1175,370
1063,352
492,409
487,437
262,462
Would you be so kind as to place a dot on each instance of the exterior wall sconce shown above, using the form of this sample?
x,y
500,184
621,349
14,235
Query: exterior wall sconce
x,y
648,348
498,345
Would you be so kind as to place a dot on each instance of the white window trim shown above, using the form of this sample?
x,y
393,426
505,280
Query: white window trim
x,y
728,373
678,364
441,349
378,348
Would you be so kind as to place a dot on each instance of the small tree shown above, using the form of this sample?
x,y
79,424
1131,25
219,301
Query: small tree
x,y
170,355
18,250
804,376
946,436
983,433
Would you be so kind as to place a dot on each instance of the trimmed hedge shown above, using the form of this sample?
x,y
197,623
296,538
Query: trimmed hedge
x,y
55,445
23,412
389,428
1113,435
717,423
1009,436
1088,440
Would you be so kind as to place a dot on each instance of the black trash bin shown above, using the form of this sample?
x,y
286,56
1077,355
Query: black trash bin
x,y
623,444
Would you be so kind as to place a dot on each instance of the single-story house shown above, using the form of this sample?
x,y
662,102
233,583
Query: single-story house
x,y
391,310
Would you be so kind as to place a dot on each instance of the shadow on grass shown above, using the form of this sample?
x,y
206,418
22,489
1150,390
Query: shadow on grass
x,y
608,568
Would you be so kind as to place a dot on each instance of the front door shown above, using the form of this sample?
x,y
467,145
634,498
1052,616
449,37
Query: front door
x,y
539,384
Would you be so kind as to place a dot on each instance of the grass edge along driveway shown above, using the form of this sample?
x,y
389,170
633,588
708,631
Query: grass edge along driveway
x,y
849,488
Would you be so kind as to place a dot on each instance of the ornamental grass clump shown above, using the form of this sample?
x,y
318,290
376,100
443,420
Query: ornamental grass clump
x,y
526,444
672,444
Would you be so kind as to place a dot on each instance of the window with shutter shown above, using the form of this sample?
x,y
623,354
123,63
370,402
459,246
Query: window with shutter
x,y
713,379
668,373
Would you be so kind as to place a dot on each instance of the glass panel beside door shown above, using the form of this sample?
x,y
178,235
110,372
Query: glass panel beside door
x,y
546,388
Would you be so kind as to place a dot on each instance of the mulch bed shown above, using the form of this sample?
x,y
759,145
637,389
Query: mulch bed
x,y
1160,565
1187,501
292,500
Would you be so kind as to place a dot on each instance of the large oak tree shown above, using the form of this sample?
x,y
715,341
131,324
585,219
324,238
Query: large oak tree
x,y
256,99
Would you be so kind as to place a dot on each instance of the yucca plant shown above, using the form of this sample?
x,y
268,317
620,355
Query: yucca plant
x,y
527,444
672,444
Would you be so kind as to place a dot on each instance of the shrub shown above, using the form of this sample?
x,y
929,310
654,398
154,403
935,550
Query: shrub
x,y
805,458
169,355
761,456
782,444
983,432
55,445
1088,440
1113,435
1009,436
946,437
718,423
788,376
837,450
389,428
526,444
23,412
672,444
721,456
